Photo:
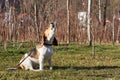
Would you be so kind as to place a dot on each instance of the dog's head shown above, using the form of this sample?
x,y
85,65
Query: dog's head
x,y
48,37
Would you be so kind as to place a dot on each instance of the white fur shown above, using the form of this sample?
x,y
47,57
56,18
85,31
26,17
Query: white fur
x,y
45,52
46,55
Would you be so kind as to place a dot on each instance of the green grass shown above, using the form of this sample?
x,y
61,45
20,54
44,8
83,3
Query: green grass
x,y
70,62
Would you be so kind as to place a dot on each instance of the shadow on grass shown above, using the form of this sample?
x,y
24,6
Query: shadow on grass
x,y
85,68
99,74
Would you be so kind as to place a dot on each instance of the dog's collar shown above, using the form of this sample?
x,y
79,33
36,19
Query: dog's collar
x,y
47,44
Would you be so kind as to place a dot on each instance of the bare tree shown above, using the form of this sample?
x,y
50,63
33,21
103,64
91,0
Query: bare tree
x,y
105,13
99,11
113,30
118,33
68,23
88,24
105,16
36,23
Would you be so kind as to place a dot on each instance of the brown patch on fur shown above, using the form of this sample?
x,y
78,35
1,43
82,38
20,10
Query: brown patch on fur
x,y
22,67
34,53
45,34
43,39
39,46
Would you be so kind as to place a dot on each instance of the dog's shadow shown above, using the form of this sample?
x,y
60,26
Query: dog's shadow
x,y
85,67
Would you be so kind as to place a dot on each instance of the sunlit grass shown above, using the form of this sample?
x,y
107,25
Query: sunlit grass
x,y
70,62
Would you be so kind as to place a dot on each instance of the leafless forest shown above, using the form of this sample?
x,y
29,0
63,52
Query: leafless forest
x,y
25,20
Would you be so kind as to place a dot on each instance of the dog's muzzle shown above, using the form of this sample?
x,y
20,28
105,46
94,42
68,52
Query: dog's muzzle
x,y
54,24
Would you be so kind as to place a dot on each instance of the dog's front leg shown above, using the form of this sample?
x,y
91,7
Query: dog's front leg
x,y
50,63
41,63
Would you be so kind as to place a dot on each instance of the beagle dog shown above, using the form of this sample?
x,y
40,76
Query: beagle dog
x,y
35,58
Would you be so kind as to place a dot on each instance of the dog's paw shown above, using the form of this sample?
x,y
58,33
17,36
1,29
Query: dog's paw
x,y
37,70
51,68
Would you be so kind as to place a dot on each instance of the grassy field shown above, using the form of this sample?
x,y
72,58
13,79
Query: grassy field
x,y
72,62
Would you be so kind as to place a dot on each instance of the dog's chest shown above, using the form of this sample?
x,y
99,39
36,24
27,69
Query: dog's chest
x,y
45,51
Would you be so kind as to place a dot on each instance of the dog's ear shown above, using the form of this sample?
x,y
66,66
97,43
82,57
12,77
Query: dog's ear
x,y
43,38
55,42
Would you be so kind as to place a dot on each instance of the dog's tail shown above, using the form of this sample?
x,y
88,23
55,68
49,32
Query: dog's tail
x,y
12,68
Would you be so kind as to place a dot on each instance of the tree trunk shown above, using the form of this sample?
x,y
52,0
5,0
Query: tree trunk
x,y
88,24
113,32
68,23
105,13
118,32
99,11
36,24
6,24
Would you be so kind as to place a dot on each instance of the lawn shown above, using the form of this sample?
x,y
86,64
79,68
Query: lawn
x,y
70,62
